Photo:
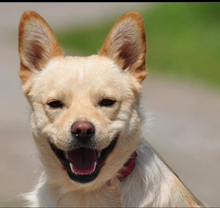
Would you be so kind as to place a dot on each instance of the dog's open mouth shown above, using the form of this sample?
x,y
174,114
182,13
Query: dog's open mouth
x,y
83,165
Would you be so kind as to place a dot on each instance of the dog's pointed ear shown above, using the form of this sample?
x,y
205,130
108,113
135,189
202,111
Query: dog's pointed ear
x,y
126,44
37,44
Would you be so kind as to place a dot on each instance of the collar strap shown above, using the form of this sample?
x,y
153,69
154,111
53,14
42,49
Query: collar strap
x,y
128,167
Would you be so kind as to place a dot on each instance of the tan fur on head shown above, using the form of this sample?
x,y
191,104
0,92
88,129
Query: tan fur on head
x,y
126,44
76,82
79,84
37,44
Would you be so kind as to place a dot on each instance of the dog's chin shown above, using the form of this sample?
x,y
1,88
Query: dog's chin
x,y
84,164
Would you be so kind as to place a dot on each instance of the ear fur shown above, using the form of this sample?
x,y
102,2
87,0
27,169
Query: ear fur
x,y
126,44
37,44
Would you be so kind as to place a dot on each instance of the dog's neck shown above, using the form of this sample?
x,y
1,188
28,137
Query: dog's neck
x,y
107,196
128,167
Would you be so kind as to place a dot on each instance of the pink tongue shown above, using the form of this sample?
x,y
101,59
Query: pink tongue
x,y
83,161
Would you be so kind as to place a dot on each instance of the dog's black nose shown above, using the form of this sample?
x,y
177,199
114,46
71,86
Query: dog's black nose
x,y
83,131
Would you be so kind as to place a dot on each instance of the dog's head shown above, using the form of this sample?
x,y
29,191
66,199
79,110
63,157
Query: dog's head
x,y
85,114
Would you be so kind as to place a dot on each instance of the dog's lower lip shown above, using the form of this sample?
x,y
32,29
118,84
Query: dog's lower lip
x,y
90,174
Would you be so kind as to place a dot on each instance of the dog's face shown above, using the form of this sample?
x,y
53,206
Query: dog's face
x,y
85,115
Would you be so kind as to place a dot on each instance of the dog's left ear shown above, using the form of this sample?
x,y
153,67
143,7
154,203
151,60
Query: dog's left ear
x,y
126,44
37,44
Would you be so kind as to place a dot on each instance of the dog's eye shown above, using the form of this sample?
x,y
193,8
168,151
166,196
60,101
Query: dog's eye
x,y
107,102
55,104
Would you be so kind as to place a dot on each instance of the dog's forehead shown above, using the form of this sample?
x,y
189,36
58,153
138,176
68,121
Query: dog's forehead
x,y
81,73
92,66
82,69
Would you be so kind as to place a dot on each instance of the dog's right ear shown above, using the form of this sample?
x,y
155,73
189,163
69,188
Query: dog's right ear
x,y
37,44
126,44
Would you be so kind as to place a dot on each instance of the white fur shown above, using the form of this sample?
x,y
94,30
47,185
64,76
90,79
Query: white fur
x,y
80,83
149,185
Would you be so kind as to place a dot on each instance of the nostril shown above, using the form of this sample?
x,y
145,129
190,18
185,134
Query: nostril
x,y
90,131
78,131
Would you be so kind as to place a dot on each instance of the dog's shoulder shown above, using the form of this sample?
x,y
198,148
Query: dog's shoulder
x,y
153,183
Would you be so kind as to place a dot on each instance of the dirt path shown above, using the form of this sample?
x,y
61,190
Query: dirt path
x,y
184,118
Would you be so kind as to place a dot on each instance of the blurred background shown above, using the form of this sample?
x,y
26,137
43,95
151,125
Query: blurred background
x,y
181,93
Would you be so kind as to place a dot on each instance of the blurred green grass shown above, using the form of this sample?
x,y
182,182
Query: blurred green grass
x,y
183,40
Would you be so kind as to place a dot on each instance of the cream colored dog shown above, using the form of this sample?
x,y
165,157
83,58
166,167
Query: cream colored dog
x,y
86,122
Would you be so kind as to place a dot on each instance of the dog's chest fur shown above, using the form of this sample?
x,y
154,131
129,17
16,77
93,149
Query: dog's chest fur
x,y
151,183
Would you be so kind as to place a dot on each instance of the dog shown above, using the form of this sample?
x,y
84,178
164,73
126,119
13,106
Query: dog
x,y
87,122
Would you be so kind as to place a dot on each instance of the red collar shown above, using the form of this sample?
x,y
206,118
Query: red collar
x,y
128,167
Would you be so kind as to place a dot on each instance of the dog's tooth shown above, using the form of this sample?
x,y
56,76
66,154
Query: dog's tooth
x,y
94,167
71,167
99,154
66,155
